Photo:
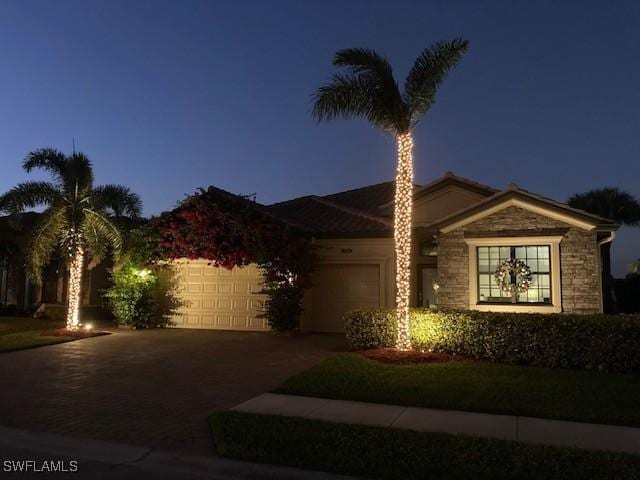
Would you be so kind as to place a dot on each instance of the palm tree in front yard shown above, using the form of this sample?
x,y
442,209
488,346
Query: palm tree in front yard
x,y
78,218
369,90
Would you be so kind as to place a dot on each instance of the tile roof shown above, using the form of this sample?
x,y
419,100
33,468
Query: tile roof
x,y
367,211
367,199
324,217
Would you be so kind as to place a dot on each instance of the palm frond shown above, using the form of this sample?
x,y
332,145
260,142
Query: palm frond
x,y
365,60
368,90
45,240
117,199
346,96
100,235
78,175
610,203
29,195
48,159
428,72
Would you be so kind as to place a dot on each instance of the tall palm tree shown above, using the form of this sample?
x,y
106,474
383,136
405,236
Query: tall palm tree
x,y
616,205
78,219
369,90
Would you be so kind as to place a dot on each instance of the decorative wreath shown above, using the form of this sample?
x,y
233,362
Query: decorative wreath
x,y
523,276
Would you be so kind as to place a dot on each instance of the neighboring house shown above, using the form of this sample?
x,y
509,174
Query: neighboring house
x,y
16,289
462,232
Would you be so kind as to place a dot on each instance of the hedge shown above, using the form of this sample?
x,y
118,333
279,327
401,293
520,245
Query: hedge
x,y
609,343
390,453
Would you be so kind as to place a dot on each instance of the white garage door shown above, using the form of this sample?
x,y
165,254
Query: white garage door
x,y
338,288
217,298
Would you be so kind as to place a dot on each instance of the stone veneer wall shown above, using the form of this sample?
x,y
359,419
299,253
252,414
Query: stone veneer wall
x,y
579,260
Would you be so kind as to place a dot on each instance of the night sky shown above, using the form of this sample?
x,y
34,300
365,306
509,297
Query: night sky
x,y
166,97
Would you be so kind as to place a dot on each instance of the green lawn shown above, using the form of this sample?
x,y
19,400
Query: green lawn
x,y
377,452
17,333
476,386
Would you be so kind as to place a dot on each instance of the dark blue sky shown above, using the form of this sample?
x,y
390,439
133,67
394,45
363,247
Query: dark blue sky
x,y
169,96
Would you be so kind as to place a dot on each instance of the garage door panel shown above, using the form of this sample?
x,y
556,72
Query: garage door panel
x,y
217,298
338,288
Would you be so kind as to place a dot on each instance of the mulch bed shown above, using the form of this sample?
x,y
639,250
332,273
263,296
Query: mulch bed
x,y
63,332
405,357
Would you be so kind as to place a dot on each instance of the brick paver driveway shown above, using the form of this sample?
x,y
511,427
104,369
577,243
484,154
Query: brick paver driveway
x,y
153,388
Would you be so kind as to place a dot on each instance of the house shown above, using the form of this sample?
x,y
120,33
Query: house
x,y
19,293
463,231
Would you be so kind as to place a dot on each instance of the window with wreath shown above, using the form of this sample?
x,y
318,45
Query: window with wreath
x,y
514,274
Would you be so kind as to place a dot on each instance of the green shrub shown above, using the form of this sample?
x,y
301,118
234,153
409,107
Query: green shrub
x,y
132,296
592,342
392,453
370,328
143,297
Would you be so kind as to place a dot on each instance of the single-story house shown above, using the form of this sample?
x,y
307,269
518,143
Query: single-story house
x,y
463,231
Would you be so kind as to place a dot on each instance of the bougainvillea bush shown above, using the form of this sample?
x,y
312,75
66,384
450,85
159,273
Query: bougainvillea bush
x,y
233,231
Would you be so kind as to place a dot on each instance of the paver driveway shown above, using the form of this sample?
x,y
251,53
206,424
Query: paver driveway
x,y
153,388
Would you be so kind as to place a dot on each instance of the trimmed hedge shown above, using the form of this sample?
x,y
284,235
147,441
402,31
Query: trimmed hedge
x,y
609,343
389,453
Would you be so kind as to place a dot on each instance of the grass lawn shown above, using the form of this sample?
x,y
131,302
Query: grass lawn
x,y
476,386
378,452
17,333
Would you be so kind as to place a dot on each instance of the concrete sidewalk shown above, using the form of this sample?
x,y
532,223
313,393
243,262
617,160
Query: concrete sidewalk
x,y
505,427
99,460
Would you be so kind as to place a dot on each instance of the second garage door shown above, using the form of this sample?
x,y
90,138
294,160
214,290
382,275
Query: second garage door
x,y
219,299
338,288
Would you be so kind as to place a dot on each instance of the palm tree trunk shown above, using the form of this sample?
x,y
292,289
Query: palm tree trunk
x,y
75,286
402,236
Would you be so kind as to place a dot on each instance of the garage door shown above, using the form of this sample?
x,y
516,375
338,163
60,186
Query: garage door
x,y
219,299
338,288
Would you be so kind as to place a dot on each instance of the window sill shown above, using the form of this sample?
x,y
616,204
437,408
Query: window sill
x,y
516,307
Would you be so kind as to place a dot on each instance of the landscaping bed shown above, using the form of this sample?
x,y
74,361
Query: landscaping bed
x,y
377,452
17,333
408,357
476,386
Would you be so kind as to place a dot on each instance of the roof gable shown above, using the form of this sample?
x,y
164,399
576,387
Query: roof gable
x,y
446,182
515,196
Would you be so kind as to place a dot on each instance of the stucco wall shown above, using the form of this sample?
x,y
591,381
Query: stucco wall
x,y
579,260
441,203
363,250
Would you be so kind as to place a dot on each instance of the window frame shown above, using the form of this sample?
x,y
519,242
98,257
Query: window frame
x,y
512,256
553,242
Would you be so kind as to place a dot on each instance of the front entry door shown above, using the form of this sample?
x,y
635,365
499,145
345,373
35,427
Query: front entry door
x,y
427,286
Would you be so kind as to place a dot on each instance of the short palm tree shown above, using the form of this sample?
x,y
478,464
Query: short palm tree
x,y
615,205
369,90
78,219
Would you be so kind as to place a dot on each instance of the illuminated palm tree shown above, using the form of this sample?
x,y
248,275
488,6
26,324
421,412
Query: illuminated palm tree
x,y
369,90
78,219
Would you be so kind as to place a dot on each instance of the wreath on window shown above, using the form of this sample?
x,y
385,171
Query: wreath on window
x,y
524,277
